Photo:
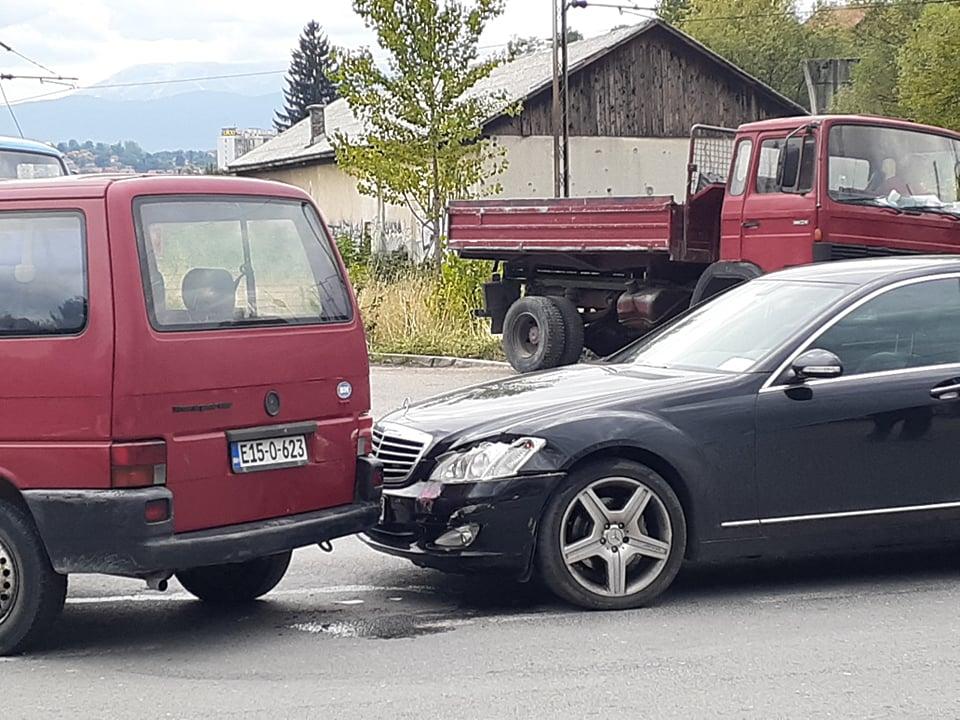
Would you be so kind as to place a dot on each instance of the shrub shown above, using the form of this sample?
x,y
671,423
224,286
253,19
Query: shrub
x,y
420,309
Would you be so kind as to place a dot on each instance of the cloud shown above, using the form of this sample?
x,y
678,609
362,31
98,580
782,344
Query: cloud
x,y
96,38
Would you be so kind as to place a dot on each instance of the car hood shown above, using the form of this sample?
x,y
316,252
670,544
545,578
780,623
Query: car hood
x,y
523,403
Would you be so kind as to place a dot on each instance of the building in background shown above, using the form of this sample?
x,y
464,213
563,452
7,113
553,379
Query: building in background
x,y
634,95
235,142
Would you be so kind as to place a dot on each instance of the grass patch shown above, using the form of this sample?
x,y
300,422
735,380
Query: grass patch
x,y
422,310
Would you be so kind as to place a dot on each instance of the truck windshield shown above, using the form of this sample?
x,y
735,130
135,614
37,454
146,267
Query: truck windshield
x,y
896,168
17,165
215,263
734,332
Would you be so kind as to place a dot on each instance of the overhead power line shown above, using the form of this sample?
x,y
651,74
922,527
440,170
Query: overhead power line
x,y
156,82
633,9
10,108
29,60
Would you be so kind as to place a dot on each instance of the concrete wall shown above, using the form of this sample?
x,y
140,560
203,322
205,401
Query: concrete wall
x,y
598,166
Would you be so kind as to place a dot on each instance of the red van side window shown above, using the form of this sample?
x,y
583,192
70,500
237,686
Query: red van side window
x,y
43,275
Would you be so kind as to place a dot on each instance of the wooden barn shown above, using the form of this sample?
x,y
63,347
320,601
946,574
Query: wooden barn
x,y
634,94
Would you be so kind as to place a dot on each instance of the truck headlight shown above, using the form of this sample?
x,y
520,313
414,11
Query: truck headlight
x,y
486,461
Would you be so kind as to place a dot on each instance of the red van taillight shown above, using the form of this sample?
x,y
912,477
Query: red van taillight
x,y
138,464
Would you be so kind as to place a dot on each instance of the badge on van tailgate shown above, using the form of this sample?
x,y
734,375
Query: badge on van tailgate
x,y
268,453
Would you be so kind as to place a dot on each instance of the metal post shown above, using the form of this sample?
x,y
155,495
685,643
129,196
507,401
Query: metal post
x,y
557,148
564,100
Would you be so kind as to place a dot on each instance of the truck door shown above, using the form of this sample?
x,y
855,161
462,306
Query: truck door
x,y
780,207
731,214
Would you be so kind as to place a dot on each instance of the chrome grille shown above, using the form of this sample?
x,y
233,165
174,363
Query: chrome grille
x,y
399,449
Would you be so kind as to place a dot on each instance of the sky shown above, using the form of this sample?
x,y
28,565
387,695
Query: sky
x,y
93,39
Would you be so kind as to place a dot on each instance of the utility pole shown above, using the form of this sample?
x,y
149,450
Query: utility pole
x,y
558,153
561,106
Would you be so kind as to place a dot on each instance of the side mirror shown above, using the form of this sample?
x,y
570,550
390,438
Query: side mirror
x,y
816,363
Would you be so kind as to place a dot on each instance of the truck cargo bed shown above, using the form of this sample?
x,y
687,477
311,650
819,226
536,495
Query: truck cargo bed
x,y
492,229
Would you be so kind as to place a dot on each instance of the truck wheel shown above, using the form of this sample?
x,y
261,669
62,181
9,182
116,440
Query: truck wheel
x,y
573,331
235,583
533,334
31,592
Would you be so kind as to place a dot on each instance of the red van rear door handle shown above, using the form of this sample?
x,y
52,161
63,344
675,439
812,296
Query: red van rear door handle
x,y
750,224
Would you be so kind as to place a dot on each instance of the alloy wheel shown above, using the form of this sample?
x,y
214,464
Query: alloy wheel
x,y
615,537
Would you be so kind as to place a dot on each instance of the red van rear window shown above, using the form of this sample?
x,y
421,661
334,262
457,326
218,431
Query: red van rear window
x,y
216,262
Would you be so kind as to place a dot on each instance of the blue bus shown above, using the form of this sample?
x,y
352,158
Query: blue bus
x,y
28,159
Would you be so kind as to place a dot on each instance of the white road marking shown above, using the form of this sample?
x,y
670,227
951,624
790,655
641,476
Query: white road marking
x,y
288,592
355,601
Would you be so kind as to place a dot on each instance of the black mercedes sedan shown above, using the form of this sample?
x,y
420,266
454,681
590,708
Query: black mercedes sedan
x,y
811,410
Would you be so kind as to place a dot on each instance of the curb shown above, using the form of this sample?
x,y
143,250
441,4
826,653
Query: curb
x,y
432,361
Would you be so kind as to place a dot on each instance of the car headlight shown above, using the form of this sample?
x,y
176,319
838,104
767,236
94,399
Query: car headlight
x,y
486,461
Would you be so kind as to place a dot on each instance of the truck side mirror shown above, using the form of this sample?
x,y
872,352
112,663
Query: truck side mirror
x,y
788,167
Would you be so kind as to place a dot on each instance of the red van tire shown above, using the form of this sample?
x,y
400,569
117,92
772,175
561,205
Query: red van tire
x,y
31,592
235,583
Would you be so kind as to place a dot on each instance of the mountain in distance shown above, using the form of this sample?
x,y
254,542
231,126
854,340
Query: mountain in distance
x,y
167,116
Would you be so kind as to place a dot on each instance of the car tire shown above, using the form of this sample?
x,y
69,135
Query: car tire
x,y
235,583
573,331
32,593
533,334
626,562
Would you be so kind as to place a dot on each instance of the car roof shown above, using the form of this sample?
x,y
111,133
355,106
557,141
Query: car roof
x,y
97,186
870,271
15,143
792,123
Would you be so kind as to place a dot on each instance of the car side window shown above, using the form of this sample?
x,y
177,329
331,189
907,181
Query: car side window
x,y
915,325
43,276
741,168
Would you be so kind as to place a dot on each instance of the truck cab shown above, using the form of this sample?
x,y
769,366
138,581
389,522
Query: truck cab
x,y
598,272
802,190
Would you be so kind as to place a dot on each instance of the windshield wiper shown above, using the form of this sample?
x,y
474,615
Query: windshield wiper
x,y
933,210
871,202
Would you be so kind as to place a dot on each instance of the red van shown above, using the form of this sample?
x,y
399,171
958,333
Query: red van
x,y
186,389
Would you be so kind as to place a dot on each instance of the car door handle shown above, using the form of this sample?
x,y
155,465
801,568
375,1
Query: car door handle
x,y
750,224
946,392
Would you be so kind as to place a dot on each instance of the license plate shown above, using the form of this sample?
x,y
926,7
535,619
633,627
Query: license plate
x,y
268,453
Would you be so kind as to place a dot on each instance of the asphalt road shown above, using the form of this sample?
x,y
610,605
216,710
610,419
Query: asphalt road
x,y
353,634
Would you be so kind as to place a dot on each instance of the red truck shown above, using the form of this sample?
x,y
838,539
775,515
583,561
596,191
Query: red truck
x,y
598,272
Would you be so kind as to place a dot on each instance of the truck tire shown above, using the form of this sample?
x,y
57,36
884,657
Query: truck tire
x,y
533,334
31,592
235,583
573,331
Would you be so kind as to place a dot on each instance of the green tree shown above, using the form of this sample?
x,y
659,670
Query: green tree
x,y
877,40
764,37
672,11
930,67
421,143
308,80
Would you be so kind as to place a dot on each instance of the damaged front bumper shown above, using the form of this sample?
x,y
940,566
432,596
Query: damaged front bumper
x,y
465,527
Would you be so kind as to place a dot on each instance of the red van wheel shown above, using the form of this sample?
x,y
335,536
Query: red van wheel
x,y
31,592
235,582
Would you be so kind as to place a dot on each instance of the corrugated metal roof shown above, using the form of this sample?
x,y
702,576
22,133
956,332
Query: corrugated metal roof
x,y
517,81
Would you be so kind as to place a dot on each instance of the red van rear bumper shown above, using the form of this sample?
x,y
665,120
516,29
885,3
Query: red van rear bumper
x,y
105,531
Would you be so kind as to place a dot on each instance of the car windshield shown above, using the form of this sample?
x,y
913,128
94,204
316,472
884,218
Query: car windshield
x,y
894,168
734,332
17,165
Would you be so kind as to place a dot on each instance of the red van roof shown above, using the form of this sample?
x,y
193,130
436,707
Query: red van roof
x,y
94,186
791,123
